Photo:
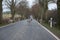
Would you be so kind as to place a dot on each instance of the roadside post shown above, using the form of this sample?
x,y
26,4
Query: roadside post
x,y
51,22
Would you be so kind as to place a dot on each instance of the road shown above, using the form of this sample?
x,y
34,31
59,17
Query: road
x,y
24,30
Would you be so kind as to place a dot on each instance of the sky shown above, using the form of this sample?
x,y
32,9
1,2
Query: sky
x,y
30,2
50,6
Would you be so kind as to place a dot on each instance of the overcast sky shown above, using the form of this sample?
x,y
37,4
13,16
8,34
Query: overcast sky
x,y
50,6
30,2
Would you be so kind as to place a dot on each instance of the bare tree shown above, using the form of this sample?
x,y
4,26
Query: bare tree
x,y
22,8
36,11
12,6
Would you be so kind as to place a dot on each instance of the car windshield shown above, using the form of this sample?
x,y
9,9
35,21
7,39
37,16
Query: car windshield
x,y
29,19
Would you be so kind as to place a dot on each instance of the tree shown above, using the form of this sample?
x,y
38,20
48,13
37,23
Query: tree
x,y
12,6
44,6
51,13
22,8
36,11
58,4
1,11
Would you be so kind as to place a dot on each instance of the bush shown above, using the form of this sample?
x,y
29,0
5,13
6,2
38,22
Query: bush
x,y
4,21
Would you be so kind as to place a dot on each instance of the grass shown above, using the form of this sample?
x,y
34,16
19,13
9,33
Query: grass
x,y
6,16
3,24
54,30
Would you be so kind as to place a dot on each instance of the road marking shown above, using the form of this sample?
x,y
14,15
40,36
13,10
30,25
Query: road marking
x,y
48,31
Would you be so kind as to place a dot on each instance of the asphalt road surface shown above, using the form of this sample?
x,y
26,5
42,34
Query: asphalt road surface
x,y
24,30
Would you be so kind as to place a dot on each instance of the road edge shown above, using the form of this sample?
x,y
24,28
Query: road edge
x,y
8,25
48,31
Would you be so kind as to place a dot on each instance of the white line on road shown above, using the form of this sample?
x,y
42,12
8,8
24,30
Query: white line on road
x,y
48,31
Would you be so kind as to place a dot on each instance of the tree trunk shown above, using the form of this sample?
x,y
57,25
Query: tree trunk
x,y
58,4
44,7
1,11
12,9
12,13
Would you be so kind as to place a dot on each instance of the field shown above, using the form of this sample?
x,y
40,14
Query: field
x,y
5,16
8,16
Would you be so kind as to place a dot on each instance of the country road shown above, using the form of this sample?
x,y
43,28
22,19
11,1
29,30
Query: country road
x,y
24,30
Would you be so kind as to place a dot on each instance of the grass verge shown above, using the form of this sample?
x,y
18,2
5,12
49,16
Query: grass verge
x,y
54,30
3,24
